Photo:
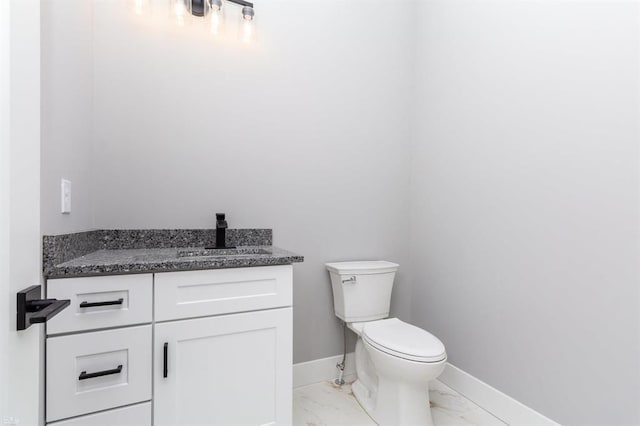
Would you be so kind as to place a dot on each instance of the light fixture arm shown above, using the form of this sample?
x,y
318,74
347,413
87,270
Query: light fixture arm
x,y
242,3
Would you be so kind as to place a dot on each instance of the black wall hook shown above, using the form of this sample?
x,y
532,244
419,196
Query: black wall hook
x,y
33,309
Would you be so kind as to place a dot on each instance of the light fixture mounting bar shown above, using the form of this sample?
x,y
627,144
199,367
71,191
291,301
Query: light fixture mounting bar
x,y
242,3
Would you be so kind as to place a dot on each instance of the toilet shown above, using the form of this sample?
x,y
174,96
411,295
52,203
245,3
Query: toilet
x,y
395,360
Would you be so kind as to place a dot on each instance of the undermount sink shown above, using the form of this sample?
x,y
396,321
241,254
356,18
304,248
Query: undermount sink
x,y
205,252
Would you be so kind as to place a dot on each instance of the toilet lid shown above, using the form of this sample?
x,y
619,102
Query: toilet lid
x,y
404,340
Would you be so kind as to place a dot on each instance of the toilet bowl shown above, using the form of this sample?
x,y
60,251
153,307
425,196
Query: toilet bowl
x,y
394,360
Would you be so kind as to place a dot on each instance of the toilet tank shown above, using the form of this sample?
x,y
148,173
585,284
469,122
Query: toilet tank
x,y
362,290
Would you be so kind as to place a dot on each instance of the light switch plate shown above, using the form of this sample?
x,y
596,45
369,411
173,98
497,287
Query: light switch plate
x,y
65,192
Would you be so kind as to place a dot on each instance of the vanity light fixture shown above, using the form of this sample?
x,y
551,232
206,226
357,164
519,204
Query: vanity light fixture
x,y
212,12
202,8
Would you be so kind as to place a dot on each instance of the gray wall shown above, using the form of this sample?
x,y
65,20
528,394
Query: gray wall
x,y
304,132
66,113
524,218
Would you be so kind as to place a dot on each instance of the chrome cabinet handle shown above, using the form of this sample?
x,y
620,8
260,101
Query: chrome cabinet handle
x,y
349,280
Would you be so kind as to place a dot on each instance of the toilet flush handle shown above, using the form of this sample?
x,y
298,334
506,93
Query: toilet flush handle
x,y
349,280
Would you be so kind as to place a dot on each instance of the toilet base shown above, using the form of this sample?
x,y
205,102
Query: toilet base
x,y
396,405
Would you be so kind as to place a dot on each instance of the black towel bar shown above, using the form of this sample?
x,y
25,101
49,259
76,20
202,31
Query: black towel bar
x,y
32,309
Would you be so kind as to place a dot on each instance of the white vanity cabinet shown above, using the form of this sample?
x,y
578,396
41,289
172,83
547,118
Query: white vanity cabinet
x,y
210,347
225,370
99,349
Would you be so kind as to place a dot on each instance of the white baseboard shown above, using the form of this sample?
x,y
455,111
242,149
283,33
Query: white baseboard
x,y
320,370
492,400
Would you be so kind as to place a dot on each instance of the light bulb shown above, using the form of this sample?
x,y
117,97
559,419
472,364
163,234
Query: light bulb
x,y
215,5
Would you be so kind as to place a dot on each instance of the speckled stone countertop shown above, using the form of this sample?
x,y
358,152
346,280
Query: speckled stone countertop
x,y
129,261
107,252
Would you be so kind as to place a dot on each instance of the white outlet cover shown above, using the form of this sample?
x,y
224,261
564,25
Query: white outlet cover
x,y
65,200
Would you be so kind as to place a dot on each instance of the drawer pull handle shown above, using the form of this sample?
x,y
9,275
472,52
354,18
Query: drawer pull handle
x,y
106,303
84,375
165,369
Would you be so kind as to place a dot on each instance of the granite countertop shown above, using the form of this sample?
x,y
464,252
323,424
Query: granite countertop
x,y
129,252
126,261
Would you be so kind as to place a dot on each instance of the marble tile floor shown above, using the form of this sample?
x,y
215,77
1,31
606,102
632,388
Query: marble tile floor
x,y
324,404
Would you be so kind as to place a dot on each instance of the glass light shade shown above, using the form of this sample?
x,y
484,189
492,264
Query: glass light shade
x,y
141,7
180,11
212,20
215,22
247,30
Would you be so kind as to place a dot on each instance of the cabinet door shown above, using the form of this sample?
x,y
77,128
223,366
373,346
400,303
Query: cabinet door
x,y
227,370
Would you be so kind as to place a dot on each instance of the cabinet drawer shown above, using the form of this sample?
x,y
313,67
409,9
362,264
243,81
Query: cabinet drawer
x,y
101,302
201,293
96,371
135,415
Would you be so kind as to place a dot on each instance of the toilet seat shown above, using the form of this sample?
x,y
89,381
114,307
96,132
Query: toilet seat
x,y
402,340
